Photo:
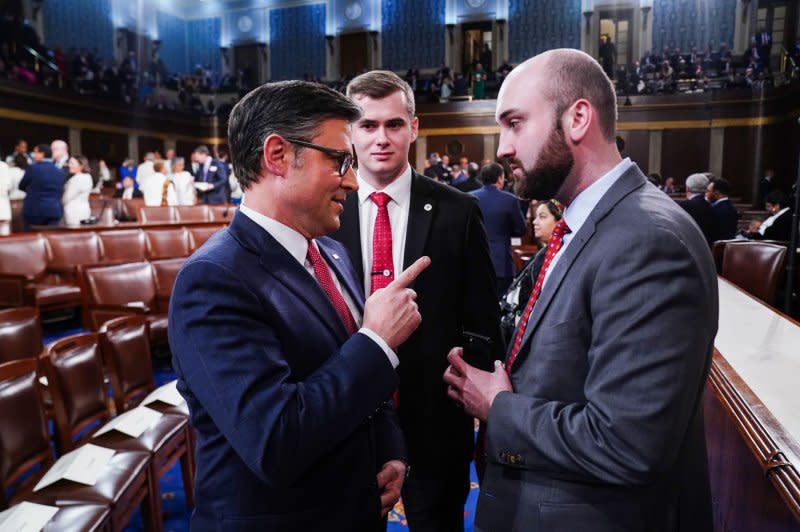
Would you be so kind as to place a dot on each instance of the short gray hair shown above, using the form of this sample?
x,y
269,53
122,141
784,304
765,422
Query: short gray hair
x,y
697,183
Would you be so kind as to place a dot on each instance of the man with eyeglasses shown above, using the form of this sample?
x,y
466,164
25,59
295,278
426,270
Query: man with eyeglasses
x,y
285,368
395,217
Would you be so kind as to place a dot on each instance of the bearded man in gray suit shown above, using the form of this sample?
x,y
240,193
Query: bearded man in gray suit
x,y
595,422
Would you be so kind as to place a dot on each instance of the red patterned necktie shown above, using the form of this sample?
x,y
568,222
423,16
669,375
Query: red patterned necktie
x,y
553,246
382,272
325,280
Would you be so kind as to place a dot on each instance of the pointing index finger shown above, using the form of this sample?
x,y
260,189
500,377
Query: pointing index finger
x,y
411,273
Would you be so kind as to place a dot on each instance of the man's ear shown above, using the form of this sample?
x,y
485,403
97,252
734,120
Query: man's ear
x,y
275,155
577,120
414,129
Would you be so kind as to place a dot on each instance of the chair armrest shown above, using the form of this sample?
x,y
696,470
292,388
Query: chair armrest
x,y
17,290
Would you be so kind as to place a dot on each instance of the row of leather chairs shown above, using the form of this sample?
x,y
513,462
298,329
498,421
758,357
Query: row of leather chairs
x,y
185,213
758,267
41,269
79,405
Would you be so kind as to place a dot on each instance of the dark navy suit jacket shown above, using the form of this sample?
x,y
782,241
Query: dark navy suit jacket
x,y
727,219
701,212
217,175
291,420
43,184
503,219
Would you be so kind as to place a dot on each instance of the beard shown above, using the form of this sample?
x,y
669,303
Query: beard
x,y
544,180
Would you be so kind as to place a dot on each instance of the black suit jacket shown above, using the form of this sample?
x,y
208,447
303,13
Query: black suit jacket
x,y
781,228
701,212
43,184
727,218
457,292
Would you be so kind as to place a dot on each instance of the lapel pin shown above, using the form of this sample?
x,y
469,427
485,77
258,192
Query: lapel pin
x,y
428,207
335,256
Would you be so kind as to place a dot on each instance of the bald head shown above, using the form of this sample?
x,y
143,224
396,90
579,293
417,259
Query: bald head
x,y
564,76
60,149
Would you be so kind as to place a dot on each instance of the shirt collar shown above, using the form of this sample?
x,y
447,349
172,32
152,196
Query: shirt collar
x,y
295,243
585,202
399,189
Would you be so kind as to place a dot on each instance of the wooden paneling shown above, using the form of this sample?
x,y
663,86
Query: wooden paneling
x,y
11,130
637,147
112,147
738,161
684,152
185,149
147,144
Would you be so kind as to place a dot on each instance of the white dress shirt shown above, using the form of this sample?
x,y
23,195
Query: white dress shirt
x,y
582,206
400,192
766,224
297,246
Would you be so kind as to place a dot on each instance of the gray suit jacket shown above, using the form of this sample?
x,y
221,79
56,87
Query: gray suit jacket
x,y
604,430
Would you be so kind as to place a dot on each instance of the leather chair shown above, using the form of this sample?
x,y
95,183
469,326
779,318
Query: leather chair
x,y
199,235
129,209
125,348
165,272
522,255
125,245
83,518
20,334
122,290
124,485
167,243
756,267
70,250
718,252
25,279
158,215
74,370
193,213
222,213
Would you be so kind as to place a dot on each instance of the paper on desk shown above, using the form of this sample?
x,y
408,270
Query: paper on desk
x,y
84,465
26,517
167,393
133,422
201,186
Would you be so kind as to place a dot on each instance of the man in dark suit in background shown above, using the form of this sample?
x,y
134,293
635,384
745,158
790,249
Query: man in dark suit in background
x,y
503,219
725,213
698,208
596,421
211,178
396,217
287,394
471,182
43,185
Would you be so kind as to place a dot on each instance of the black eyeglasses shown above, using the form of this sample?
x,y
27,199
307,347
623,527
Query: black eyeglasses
x,y
343,157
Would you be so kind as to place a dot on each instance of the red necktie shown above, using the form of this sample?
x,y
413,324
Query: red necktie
x,y
553,246
325,279
382,272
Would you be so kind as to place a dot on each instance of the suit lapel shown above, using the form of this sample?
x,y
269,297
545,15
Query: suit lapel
x,y
629,181
346,276
420,216
349,235
280,264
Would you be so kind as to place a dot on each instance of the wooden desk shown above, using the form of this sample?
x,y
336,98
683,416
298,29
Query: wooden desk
x,y
752,415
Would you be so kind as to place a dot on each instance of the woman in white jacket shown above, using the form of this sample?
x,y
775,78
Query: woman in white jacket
x,y
5,190
76,191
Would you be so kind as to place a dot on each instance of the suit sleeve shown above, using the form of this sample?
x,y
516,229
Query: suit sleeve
x,y
26,180
481,310
231,360
517,220
389,440
651,311
220,179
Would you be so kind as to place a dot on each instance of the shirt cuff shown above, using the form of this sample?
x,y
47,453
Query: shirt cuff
x,y
372,335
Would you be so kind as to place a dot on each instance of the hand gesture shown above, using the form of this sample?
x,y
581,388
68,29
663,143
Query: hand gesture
x,y
472,388
392,312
